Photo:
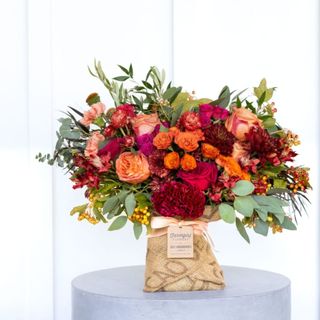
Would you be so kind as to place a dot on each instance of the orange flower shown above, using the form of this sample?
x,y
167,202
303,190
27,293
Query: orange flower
x,y
232,167
162,140
209,151
132,167
172,160
188,162
188,141
174,131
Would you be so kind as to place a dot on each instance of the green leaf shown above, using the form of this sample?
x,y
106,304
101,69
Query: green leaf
x,y
137,229
121,78
243,188
269,122
279,183
131,70
245,205
261,227
118,223
172,93
130,204
122,195
288,224
110,204
68,133
242,230
176,114
147,84
78,209
262,89
227,213
262,98
126,71
262,213
225,95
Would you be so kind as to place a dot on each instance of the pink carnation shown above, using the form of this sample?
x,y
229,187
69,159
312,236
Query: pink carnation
x,y
122,116
95,111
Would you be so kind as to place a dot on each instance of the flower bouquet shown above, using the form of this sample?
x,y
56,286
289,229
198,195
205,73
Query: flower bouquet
x,y
170,162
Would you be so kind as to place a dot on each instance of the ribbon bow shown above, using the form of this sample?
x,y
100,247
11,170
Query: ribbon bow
x,y
159,226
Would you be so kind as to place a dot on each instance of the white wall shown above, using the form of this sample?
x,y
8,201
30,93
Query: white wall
x,y
203,45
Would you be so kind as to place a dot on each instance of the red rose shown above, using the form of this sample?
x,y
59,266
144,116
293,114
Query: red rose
x,y
204,175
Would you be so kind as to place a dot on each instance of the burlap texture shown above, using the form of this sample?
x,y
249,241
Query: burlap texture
x,y
202,272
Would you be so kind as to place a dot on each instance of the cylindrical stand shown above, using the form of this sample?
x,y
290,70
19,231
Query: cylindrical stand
x,y
116,294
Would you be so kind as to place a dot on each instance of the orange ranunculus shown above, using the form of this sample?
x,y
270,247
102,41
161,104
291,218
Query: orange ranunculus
x,y
172,160
92,146
162,140
240,121
132,167
188,141
209,151
188,162
145,123
232,167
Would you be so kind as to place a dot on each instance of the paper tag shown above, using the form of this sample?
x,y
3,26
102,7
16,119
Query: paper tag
x,y
180,242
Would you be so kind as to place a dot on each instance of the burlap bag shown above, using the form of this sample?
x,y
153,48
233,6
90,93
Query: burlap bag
x,y
202,272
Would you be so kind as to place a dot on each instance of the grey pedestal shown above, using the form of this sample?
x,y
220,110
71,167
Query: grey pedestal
x,y
116,294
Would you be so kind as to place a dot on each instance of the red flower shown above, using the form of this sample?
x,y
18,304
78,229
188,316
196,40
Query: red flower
x,y
190,121
113,147
122,115
156,163
175,199
202,177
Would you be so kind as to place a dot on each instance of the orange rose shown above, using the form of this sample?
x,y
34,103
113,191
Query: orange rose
x,y
172,160
162,140
145,123
187,141
232,167
209,151
240,121
132,167
174,131
188,162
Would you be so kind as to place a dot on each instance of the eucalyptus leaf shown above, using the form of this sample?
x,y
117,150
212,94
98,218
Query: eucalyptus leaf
x,y
262,213
122,195
118,223
243,188
130,204
245,205
242,230
261,227
110,204
227,213
288,224
137,229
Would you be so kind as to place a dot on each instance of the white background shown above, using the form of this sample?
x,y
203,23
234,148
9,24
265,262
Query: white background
x,y
45,48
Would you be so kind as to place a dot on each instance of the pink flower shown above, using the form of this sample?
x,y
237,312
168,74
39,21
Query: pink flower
x,y
93,144
128,141
203,176
102,163
109,131
145,123
122,116
207,112
241,121
95,111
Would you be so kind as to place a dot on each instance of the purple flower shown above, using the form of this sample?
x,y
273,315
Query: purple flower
x,y
145,143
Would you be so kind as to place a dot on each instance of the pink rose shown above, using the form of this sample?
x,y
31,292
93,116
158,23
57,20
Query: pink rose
x,y
203,176
240,121
132,167
145,123
95,111
92,146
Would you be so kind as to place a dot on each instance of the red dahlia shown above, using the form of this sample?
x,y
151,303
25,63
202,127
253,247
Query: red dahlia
x,y
218,136
156,163
176,199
